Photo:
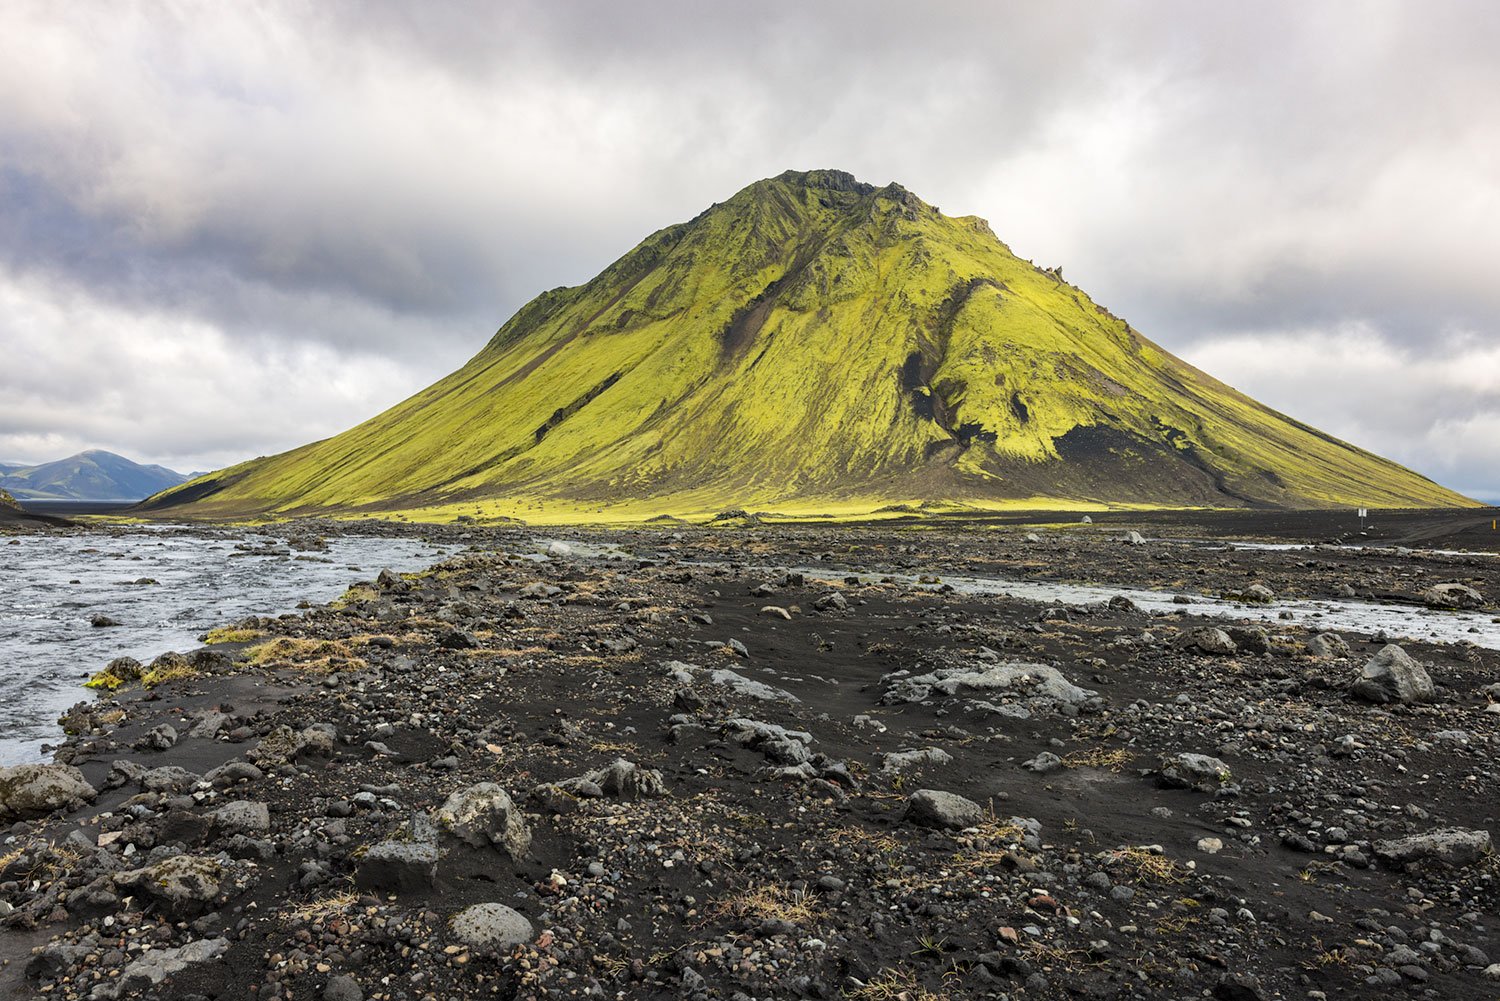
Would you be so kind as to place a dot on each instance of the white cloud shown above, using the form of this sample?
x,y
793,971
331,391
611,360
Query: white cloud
x,y
1435,408
374,188
81,374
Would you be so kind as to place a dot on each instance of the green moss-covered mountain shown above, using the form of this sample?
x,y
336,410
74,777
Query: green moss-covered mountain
x,y
814,344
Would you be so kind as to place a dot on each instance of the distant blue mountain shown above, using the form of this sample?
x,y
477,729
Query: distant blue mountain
x,y
94,475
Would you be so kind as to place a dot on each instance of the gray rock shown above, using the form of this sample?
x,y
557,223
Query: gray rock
x,y
553,798
899,761
1250,639
1133,538
742,685
627,780
168,778
1043,763
157,965
343,988
36,790
1193,771
484,815
1032,680
243,816
158,738
1208,639
283,745
232,772
401,866
1328,645
935,808
54,960
1392,676
490,927
189,885
1452,596
1454,846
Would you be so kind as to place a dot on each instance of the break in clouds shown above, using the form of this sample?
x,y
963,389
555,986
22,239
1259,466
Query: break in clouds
x,y
229,229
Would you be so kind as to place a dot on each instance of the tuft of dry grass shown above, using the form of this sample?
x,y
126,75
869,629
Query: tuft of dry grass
x,y
894,985
1109,759
320,910
770,902
1144,864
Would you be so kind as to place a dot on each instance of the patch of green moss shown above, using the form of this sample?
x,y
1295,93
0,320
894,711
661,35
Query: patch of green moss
x,y
231,634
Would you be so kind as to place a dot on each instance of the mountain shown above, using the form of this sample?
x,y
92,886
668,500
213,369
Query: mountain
x,y
94,475
814,344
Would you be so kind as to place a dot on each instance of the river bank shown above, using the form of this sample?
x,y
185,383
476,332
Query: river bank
x,y
786,762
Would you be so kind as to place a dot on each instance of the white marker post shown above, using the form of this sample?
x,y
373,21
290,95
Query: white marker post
x,y
1363,513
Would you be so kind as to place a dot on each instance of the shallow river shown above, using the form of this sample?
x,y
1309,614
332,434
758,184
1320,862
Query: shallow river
x,y
51,586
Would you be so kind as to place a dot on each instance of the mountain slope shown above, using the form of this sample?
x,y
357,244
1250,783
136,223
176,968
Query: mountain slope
x,y
94,475
812,343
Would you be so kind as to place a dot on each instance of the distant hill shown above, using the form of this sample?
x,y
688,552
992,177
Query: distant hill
x,y
94,475
823,345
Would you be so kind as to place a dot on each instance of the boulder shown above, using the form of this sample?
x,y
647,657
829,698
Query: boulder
x,y
1199,772
896,762
1328,645
626,780
185,886
935,808
343,988
1250,639
1454,846
1393,676
243,816
484,815
38,789
284,745
1133,538
1037,681
1208,639
1452,596
157,965
488,928
399,866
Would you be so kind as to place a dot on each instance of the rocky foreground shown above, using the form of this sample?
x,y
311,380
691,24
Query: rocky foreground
x,y
686,773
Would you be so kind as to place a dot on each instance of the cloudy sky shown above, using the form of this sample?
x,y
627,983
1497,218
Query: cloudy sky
x,y
228,229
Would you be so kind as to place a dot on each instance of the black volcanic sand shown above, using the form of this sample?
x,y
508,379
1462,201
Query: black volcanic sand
x,y
788,863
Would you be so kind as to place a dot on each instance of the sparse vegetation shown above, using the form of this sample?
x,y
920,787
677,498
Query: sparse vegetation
x,y
304,654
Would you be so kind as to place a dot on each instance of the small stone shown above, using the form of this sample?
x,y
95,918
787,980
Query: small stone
x,y
1194,771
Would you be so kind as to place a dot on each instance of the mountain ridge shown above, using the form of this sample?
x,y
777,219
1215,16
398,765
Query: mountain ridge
x,y
91,475
814,342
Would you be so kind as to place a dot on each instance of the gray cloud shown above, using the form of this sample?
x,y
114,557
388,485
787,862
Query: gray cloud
x,y
229,229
